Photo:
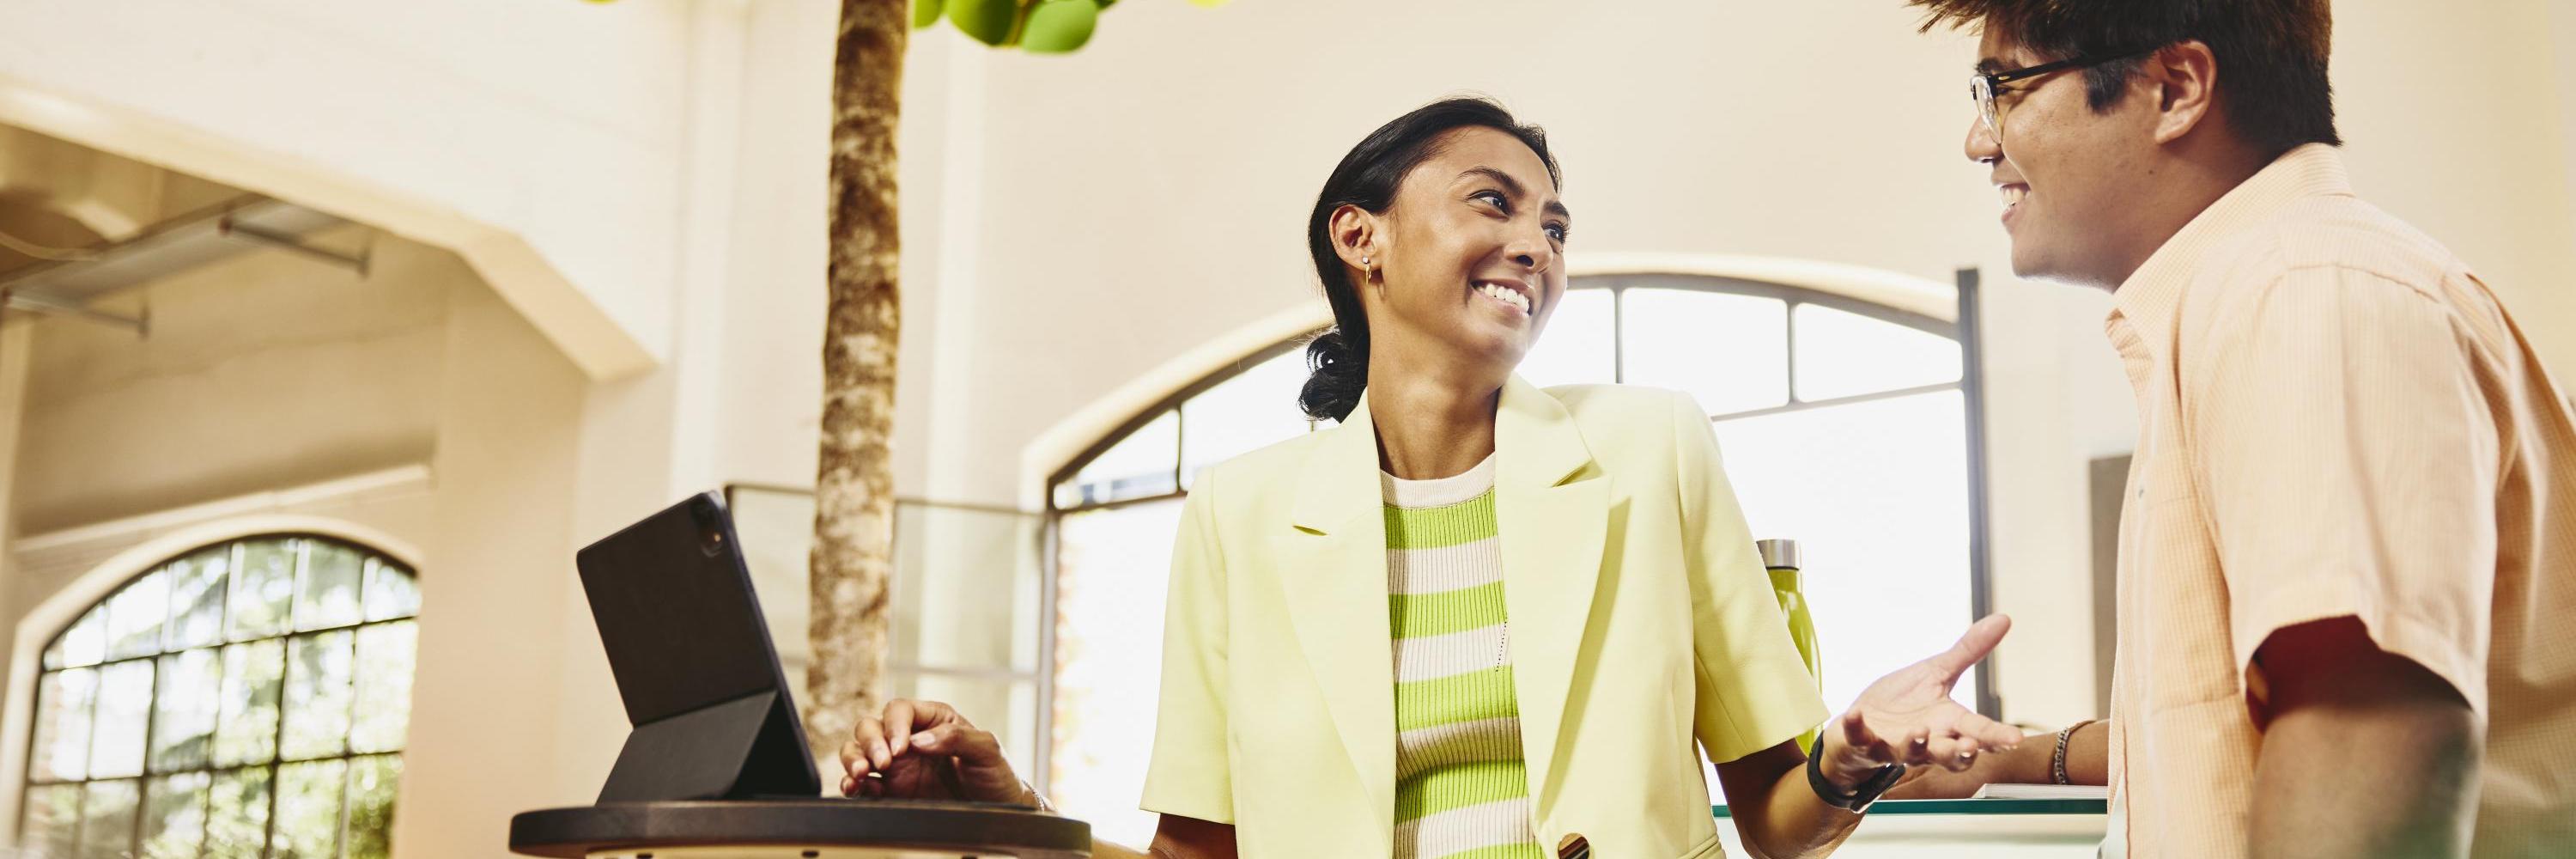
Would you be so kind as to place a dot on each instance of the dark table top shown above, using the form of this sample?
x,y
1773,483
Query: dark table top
x,y
962,827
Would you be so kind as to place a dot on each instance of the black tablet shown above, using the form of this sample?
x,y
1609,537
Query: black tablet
x,y
712,714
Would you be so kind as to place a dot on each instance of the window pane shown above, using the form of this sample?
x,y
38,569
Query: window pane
x,y
1729,351
262,587
246,731
197,598
174,816
1876,495
183,720
317,696
326,586
1138,466
52,822
1842,354
124,709
966,589
308,810
107,820
1578,346
1111,570
134,616
372,785
64,699
391,591
384,687
237,812
1246,413
86,642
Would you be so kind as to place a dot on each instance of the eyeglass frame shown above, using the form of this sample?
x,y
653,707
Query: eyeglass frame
x,y
1984,87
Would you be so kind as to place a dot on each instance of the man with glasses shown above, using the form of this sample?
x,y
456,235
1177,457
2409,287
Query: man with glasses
x,y
2347,563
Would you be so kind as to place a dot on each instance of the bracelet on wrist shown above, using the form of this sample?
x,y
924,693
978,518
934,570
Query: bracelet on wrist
x,y
2057,759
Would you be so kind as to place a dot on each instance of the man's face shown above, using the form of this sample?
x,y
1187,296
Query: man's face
x,y
2066,172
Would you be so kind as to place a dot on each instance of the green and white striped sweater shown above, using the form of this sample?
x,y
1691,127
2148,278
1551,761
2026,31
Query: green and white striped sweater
x,y
1461,791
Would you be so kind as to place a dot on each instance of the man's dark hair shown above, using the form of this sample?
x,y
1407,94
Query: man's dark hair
x,y
2271,53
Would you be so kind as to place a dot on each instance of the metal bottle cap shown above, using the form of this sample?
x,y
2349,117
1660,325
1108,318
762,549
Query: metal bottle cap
x,y
1778,554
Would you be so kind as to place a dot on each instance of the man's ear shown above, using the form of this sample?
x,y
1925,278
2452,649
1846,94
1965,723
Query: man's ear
x,y
2185,77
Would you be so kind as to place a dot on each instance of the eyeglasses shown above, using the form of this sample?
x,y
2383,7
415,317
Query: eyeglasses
x,y
1985,85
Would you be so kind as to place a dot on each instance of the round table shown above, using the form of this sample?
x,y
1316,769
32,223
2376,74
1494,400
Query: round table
x,y
798,829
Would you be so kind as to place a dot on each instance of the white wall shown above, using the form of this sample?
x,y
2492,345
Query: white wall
x,y
266,370
541,140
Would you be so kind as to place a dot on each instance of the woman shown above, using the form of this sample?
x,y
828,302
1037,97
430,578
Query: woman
x,y
1562,578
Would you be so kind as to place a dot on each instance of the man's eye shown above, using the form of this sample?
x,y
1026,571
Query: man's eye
x,y
1493,197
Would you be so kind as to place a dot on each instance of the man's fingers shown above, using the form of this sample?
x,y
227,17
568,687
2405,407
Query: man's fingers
x,y
1979,640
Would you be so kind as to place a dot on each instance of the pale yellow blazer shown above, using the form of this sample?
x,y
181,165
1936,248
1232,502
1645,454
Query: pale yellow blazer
x,y
1640,617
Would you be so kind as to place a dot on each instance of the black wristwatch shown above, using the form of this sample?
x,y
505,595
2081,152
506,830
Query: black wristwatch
x,y
1859,799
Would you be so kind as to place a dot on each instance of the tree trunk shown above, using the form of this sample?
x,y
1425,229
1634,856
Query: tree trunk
x,y
853,557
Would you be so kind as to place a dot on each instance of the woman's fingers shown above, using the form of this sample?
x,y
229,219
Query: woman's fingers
x,y
1858,736
867,739
1918,746
899,725
962,741
1988,732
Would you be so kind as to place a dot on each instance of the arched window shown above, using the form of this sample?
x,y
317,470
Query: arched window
x,y
246,698
1843,423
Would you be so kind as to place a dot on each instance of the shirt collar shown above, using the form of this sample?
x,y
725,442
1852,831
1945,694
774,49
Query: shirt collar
x,y
2144,307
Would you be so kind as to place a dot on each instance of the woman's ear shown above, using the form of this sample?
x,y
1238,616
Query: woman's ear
x,y
1354,233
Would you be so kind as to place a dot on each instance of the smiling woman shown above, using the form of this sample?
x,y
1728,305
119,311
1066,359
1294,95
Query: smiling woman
x,y
1842,418
1409,609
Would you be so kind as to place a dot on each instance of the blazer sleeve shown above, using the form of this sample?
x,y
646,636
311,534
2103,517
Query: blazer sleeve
x,y
1190,774
1752,690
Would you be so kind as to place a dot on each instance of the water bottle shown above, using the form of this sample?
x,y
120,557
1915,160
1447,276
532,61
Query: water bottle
x,y
1781,558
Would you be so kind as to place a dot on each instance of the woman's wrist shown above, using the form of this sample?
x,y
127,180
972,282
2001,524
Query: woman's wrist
x,y
1029,796
1843,769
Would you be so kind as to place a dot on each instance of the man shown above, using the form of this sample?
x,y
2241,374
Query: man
x,y
2347,617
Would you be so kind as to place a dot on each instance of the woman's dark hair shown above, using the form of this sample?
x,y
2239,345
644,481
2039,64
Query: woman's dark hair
x,y
1368,177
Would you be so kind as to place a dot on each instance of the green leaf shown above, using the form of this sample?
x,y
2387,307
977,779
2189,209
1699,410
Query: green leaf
x,y
988,21
926,12
1059,26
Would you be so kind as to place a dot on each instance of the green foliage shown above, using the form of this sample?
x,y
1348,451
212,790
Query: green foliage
x,y
1059,26
1035,26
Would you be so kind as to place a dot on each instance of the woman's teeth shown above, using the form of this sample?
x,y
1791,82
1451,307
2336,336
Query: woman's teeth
x,y
1506,296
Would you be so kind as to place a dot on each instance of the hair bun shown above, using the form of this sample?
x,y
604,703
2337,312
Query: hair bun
x,y
1337,371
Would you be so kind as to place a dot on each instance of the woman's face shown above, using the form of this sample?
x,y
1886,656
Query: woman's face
x,y
1471,256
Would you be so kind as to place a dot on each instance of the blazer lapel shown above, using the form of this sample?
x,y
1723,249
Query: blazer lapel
x,y
1552,505
1333,570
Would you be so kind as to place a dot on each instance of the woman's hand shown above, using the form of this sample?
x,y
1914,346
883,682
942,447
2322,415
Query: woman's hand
x,y
926,750
1908,717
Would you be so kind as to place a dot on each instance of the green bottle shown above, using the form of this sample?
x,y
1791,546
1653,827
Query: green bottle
x,y
1781,558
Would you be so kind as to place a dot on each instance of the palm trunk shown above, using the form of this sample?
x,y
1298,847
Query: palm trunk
x,y
853,557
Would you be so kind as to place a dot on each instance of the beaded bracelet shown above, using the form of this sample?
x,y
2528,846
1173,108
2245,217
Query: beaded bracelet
x,y
2057,760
